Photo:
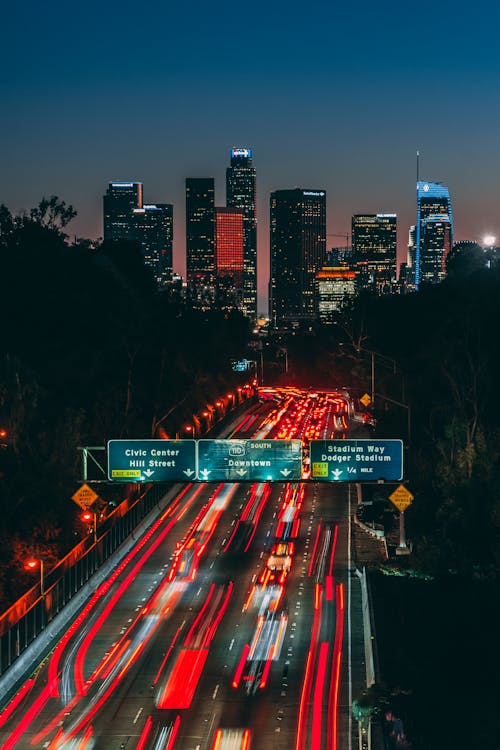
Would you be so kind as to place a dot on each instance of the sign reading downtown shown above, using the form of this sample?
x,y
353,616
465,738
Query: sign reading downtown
x,y
151,460
249,460
356,460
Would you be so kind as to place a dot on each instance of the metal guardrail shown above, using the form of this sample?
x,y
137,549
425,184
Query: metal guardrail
x,y
33,612
30,615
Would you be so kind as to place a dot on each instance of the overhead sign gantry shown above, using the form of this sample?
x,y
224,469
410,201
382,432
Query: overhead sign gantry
x,y
254,460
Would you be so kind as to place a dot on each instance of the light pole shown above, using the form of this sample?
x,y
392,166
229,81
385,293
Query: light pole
x,y
89,516
373,355
33,564
403,406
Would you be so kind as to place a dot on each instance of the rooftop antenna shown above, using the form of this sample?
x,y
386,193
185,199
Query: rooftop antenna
x,y
418,166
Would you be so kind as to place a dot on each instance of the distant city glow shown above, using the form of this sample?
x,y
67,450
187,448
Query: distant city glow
x,y
489,240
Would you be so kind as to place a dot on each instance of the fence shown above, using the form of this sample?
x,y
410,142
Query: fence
x,y
33,612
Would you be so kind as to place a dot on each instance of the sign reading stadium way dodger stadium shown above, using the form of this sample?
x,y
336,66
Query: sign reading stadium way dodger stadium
x,y
356,460
249,460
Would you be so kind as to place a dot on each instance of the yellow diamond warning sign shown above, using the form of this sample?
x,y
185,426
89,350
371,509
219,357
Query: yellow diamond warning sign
x,y
365,400
85,496
401,498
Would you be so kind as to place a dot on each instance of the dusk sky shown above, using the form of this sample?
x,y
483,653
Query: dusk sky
x,y
328,95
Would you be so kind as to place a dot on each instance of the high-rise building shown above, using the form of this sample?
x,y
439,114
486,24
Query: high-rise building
x,y
436,243
229,258
229,250
433,208
200,240
335,285
120,200
298,247
241,194
153,227
374,245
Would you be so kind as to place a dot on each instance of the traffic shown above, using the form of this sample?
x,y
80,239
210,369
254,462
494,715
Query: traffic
x,y
223,627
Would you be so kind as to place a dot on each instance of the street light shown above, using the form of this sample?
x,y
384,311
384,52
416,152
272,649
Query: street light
x,y
89,516
32,564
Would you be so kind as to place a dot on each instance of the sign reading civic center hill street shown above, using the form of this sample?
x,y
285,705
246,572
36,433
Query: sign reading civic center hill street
x,y
356,460
249,460
151,460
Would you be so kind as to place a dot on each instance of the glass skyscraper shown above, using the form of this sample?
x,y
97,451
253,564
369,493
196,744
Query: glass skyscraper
x,y
241,194
433,232
298,249
153,226
229,253
229,249
118,203
200,241
374,246
200,228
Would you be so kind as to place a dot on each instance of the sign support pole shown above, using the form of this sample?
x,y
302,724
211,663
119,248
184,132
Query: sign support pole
x,y
402,535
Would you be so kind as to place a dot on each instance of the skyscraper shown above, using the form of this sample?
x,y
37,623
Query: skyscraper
x,y
152,226
436,243
229,257
200,240
241,194
374,245
229,249
118,203
298,247
335,285
432,243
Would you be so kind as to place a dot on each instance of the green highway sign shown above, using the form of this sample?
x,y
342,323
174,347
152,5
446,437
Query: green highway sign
x,y
151,460
249,460
356,460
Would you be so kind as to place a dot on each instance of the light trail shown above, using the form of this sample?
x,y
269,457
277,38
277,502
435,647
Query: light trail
x,y
335,670
317,714
16,700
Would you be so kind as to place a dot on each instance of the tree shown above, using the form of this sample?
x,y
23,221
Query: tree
x,y
52,213
464,259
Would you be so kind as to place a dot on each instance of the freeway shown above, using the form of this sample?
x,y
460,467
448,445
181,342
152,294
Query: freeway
x,y
228,625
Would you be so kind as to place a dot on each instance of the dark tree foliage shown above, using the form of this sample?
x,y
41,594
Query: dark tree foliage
x,y
464,259
89,351
441,357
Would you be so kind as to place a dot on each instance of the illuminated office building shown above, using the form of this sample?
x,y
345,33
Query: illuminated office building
x,y
120,200
374,246
241,194
152,226
335,286
433,208
298,247
436,243
229,250
200,241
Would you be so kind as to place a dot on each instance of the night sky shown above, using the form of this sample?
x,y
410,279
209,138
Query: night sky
x,y
329,95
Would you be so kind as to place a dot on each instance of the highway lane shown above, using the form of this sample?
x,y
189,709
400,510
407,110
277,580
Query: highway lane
x,y
131,714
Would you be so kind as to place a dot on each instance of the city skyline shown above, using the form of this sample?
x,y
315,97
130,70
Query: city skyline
x,y
161,102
